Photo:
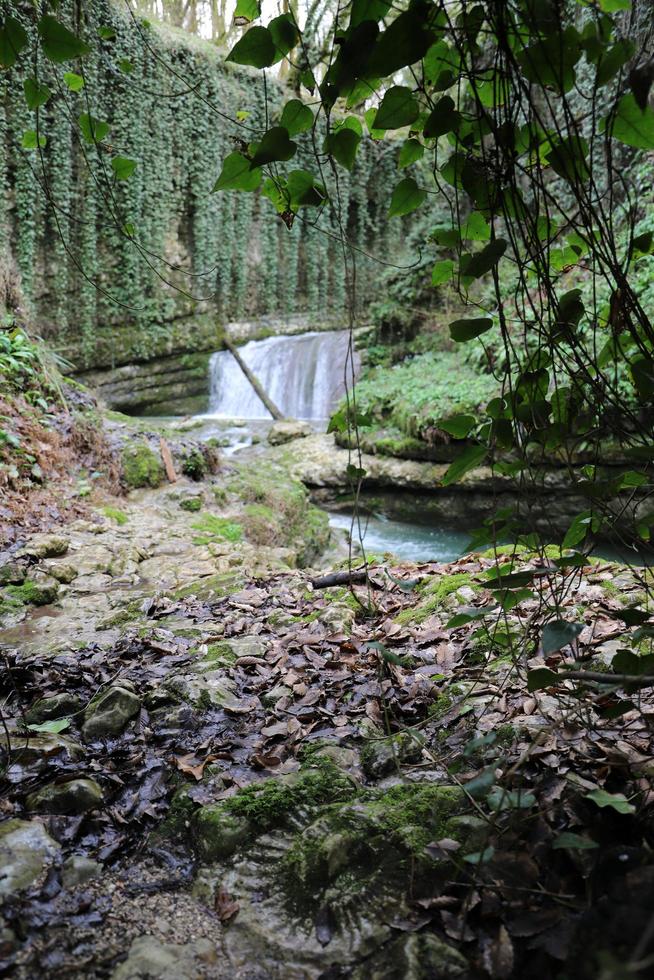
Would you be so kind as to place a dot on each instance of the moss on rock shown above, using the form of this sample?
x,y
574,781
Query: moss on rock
x,y
141,466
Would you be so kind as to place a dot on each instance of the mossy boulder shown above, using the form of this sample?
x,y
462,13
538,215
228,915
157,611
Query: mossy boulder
x,y
73,797
48,709
141,467
45,546
381,756
25,851
32,593
109,713
440,593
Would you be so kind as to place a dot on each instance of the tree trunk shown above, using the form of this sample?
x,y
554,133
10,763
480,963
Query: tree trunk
x,y
270,405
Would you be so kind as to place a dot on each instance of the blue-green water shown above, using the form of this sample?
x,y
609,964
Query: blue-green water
x,y
413,542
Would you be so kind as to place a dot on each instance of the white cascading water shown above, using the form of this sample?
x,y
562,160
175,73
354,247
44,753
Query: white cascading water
x,y
302,374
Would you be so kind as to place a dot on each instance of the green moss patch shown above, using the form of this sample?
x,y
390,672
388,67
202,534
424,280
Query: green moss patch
x,y
141,466
434,593
119,516
216,529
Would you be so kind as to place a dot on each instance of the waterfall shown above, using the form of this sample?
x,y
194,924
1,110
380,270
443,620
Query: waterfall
x,y
302,374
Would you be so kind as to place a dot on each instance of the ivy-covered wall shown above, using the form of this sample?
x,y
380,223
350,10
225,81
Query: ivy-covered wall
x,y
105,301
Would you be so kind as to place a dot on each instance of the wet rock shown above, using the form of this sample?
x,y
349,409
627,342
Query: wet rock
x,y
73,797
150,959
49,709
45,546
287,430
34,750
77,870
25,851
63,572
110,712
422,956
217,833
12,573
340,755
270,698
382,756
174,717
338,617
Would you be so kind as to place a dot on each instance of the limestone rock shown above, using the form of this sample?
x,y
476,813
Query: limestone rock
x,y
150,959
217,833
48,709
288,429
270,698
381,756
25,851
12,573
77,870
63,572
34,750
45,546
109,713
73,797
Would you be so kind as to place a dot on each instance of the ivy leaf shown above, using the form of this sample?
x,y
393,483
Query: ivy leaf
x,y
442,272
412,151
632,125
13,39
557,634
343,146
284,35
468,460
106,33
58,43
246,11
573,842
406,197
73,81
618,801
93,130
296,117
404,42
31,141
459,426
126,66
237,175
474,266
444,118
540,678
123,167
255,48
398,108
275,145
468,328
35,94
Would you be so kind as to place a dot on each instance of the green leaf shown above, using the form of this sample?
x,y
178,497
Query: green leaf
x,y
407,196
368,10
58,43
474,266
296,117
551,62
442,272
480,857
469,328
557,634
443,119
31,141
476,228
540,678
126,66
631,124
577,530
398,108
255,48
106,33
463,618
284,35
236,174
51,727
573,842
35,94
73,81
13,39
404,42
459,426
568,159
480,785
412,151
617,801
246,11
510,799
93,130
613,6
123,167
304,190
369,116
275,145
468,460
611,60
343,146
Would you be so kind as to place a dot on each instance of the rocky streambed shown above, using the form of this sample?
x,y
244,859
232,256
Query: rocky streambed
x,y
212,768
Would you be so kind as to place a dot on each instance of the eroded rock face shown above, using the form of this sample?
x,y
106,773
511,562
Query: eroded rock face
x,y
287,430
25,852
110,713
151,959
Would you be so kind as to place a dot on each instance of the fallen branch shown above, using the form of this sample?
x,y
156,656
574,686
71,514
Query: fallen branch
x,y
601,678
340,578
254,381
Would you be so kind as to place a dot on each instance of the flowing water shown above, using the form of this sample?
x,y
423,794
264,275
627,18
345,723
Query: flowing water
x,y
404,539
303,375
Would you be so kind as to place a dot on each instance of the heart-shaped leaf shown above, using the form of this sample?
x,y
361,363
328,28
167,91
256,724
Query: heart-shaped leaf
x,y
237,175
275,145
255,48
13,39
469,328
58,43
123,167
296,117
35,94
406,197
398,108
